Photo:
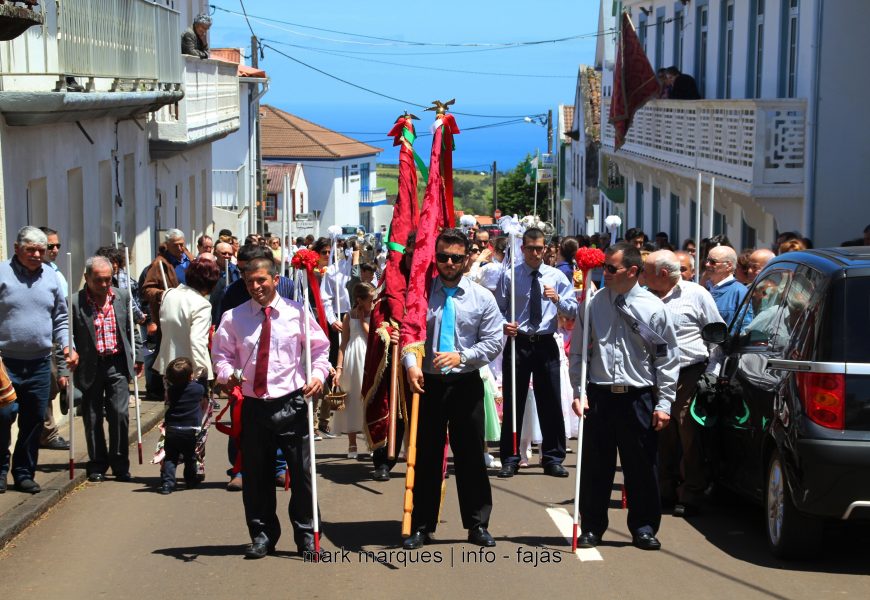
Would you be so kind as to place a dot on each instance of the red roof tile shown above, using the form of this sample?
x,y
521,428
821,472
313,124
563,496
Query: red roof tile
x,y
291,137
275,174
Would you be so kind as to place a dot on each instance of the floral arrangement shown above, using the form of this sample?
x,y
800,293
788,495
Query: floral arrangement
x,y
305,259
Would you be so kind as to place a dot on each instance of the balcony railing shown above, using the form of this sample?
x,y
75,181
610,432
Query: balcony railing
x,y
102,42
761,142
373,196
210,109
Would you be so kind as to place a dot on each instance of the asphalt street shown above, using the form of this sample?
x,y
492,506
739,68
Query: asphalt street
x,y
125,540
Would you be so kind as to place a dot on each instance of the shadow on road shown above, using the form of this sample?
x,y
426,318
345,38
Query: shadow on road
x,y
192,553
359,536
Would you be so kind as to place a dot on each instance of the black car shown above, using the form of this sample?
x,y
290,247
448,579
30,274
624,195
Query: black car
x,y
792,406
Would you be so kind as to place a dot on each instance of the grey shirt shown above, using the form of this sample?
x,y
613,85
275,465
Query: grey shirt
x,y
33,312
550,276
478,331
619,356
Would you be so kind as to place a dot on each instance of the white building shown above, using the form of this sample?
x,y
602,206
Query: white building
x,y
287,216
782,126
341,172
130,155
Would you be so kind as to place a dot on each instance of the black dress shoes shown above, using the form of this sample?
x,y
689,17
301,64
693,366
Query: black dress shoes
x,y
96,477
556,470
57,443
646,541
480,537
416,540
382,473
258,550
508,470
588,539
124,477
28,486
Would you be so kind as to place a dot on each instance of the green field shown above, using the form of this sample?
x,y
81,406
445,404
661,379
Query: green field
x,y
472,191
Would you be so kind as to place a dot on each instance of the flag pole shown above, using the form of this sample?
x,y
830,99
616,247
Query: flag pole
x,y
394,401
133,352
70,387
698,230
584,360
306,327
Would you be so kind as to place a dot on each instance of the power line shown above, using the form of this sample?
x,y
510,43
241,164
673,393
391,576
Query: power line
x,y
245,14
376,93
342,54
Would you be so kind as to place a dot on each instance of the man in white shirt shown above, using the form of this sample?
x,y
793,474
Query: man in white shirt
x,y
691,307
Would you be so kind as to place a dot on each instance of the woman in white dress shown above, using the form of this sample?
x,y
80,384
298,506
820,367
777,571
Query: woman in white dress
x,y
351,363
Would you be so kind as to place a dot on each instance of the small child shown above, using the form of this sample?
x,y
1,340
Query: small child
x,y
182,422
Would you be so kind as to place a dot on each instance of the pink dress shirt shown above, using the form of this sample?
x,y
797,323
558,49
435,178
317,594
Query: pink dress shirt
x,y
234,346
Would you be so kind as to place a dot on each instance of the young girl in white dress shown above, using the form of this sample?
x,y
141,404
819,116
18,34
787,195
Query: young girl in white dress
x,y
351,362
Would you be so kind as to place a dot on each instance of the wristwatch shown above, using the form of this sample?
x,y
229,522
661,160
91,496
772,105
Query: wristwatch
x,y
462,359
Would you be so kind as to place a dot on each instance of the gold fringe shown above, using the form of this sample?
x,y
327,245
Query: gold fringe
x,y
376,384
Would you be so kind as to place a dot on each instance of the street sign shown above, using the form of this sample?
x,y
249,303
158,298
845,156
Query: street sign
x,y
304,217
545,175
304,224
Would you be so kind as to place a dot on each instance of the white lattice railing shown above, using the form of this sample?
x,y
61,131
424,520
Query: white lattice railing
x,y
103,39
761,142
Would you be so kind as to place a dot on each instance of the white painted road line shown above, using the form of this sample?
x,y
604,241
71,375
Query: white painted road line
x,y
565,523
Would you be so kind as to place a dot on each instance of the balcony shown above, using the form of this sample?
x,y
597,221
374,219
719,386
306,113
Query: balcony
x,y
759,144
209,111
125,53
373,197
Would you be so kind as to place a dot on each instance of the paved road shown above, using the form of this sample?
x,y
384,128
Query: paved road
x,y
116,539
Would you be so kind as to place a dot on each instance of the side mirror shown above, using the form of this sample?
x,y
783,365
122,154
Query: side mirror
x,y
714,333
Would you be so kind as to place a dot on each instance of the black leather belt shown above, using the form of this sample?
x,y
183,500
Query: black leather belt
x,y
534,337
620,389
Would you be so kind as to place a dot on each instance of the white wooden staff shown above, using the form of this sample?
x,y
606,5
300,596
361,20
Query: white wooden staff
x,y
712,213
163,275
697,265
512,270
133,352
306,325
584,359
70,387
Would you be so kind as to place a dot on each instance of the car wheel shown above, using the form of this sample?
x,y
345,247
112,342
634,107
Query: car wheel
x,y
790,534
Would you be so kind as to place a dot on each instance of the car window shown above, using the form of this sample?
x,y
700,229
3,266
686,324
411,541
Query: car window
x,y
857,319
765,300
804,310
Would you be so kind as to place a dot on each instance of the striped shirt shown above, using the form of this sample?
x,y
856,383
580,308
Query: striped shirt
x,y
105,325
691,307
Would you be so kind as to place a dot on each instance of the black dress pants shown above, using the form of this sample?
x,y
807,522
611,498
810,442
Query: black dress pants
x,y
538,357
265,428
620,422
454,402
107,399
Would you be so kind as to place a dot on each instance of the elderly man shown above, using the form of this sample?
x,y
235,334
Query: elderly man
x,y
229,274
33,317
172,261
691,307
757,261
687,265
204,245
727,292
194,41
101,330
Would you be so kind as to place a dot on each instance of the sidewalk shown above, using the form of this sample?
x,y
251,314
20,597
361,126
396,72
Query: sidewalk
x,y
18,510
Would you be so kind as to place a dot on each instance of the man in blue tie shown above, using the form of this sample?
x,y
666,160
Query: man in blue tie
x,y
464,326
542,293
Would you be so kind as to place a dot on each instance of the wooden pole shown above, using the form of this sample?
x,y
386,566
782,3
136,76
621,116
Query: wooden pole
x,y
408,506
394,401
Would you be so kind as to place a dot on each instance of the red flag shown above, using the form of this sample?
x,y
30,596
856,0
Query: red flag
x,y
389,310
634,82
437,214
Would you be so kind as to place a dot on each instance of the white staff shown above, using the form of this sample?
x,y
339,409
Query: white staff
x,y
133,352
698,230
511,266
712,213
584,358
284,216
309,400
163,275
70,387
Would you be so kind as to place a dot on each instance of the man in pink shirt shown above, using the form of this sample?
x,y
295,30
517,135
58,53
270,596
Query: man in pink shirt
x,y
259,345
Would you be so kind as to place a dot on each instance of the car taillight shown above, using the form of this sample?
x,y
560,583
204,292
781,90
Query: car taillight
x,y
824,398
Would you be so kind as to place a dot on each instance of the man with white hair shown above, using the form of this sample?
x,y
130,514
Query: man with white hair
x,y
687,265
757,261
33,317
691,307
194,41
727,292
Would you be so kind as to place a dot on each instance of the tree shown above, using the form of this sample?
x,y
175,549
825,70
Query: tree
x,y
515,196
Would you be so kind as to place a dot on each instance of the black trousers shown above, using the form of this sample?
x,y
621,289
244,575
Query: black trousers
x,y
107,399
379,456
620,422
263,432
539,358
179,444
454,402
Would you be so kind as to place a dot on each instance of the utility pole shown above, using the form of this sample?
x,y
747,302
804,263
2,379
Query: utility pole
x,y
553,169
494,189
255,108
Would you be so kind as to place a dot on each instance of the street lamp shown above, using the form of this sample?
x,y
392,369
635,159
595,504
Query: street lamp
x,y
545,120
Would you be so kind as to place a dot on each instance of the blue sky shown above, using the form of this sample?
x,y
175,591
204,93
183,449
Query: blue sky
x,y
313,96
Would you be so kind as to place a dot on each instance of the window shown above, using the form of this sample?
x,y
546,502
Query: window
x,y
641,32
701,49
345,179
660,39
747,235
719,224
788,77
693,217
656,211
638,205
759,320
756,49
678,37
364,172
727,45
270,208
675,220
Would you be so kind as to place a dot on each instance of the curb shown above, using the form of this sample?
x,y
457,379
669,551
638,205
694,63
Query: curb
x,y
59,485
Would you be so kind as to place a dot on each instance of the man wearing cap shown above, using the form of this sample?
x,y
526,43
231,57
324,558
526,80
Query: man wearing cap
x,y
632,381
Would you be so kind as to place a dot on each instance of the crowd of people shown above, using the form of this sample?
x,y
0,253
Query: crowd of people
x,y
227,321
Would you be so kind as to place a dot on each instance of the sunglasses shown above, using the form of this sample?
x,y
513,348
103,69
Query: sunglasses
x,y
612,269
713,261
53,246
475,250
325,252
535,248
443,257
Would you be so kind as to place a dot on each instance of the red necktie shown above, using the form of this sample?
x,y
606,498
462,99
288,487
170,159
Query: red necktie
x,y
262,367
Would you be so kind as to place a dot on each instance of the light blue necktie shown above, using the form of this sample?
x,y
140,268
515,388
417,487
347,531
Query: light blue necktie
x,y
447,338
